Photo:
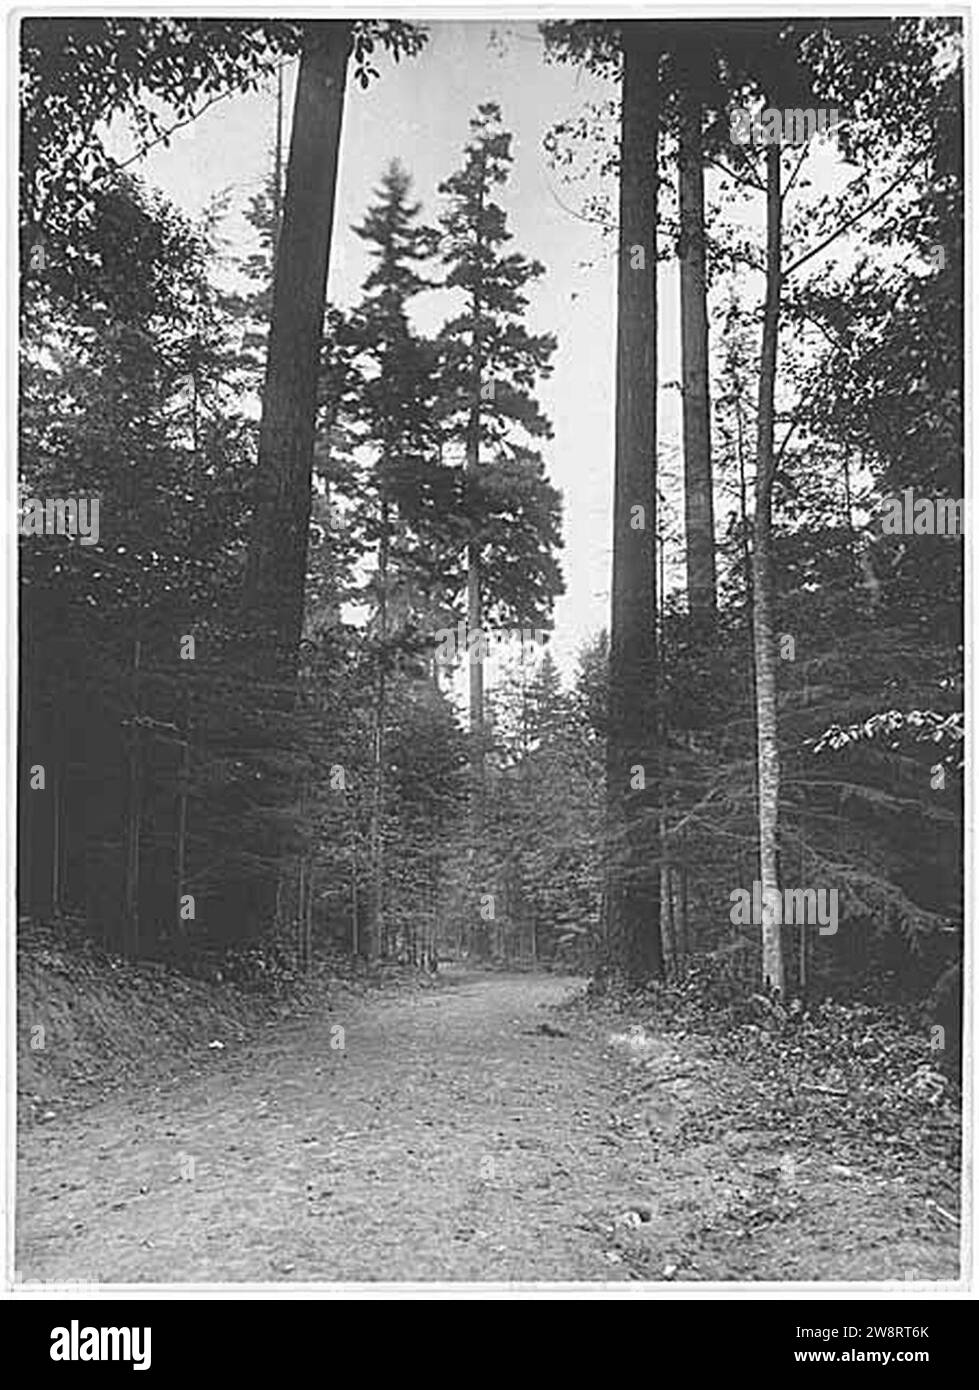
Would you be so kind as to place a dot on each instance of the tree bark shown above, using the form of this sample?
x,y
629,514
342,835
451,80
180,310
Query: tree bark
x,y
134,815
354,911
692,250
276,572
183,780
474,580
633,900
683,941
474,613
374,935
308,938
275,575
763,573
277,174
749,583
58,811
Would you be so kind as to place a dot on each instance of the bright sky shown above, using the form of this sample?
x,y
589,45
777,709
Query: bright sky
x,y
419,112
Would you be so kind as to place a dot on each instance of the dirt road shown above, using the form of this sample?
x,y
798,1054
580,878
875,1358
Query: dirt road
x,y
471,1132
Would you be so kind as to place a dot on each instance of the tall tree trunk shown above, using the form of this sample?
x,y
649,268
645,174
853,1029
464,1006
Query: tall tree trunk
x,y
310,891
275,578
474,614
474,579
277,171
26,820
134,814
692,250
666,910
683,941
633,902
476,697
354,910
749,584
300,921
847,495
763,573
374,936
743,503
58,810
183,781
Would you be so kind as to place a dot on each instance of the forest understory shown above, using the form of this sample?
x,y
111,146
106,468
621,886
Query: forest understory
x,y
491,691
474,1126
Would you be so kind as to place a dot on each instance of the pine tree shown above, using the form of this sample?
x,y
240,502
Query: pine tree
x,y
492,362
491,365
393,405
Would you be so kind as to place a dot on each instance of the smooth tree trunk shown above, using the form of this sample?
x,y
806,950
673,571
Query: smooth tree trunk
x,y
374,935
354,912
632,908
183,784
743,505
134,815
694,342
474,618
763,575
476,693
57,813
474,615
683,941
301,899
276,571
310,897
666,910
749,583
26,799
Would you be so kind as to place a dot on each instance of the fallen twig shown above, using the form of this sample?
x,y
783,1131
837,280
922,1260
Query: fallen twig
x,y
949,1216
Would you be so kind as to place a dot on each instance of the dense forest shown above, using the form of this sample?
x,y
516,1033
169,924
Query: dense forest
x,y
254,724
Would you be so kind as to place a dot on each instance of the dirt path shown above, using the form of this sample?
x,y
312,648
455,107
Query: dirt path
x,y
465,1133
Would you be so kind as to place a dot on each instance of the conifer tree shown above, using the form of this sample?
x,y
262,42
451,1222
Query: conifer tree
x,y
394,392
492,364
